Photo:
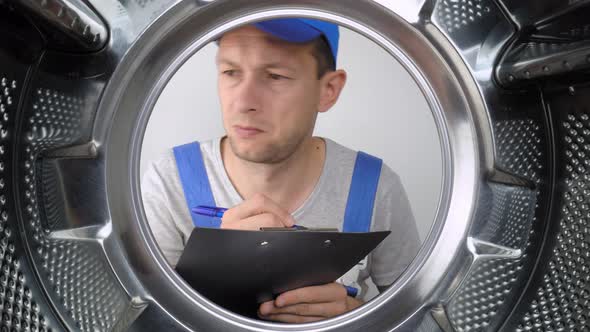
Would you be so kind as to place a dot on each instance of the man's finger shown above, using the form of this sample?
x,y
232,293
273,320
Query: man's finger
x,y
262,220
325,310
267,308
256,205
313,294
293,319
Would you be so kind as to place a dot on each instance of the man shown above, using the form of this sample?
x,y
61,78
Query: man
x,y
274,79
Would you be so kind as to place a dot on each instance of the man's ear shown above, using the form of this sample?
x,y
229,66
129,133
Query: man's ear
x,y
331,86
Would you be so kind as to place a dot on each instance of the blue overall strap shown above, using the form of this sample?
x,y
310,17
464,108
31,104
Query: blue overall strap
x,y
195,182
361,196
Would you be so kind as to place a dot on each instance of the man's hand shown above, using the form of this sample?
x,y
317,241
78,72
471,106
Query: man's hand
x,y
256,212
309,304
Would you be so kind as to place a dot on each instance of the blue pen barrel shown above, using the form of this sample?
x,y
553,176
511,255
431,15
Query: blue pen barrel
x,y
209,211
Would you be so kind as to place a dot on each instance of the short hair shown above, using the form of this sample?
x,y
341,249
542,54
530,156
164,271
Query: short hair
x,y
322,52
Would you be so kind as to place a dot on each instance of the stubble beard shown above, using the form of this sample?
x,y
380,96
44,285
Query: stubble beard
x,y
274,153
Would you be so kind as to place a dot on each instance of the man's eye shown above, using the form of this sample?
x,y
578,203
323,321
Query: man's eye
x,y
230,72
276,77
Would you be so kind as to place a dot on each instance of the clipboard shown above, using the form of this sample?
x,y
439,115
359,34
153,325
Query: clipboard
x,y
240,269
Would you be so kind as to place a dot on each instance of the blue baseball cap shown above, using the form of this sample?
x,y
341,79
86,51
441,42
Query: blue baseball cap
x,y
302,30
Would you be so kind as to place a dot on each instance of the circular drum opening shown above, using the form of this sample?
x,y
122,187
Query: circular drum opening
x,y
187,28
380,111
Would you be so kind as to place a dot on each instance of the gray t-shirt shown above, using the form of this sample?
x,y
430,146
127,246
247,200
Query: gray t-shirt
x,y
171,223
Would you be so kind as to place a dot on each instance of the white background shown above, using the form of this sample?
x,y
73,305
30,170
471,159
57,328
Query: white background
x,y
381,111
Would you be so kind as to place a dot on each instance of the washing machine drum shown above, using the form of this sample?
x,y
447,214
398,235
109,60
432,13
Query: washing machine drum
x,y
506,82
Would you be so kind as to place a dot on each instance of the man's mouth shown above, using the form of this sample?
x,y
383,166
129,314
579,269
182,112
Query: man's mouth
x,y
247,132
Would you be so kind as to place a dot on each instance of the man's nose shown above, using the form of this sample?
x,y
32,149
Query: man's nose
x,y
249,94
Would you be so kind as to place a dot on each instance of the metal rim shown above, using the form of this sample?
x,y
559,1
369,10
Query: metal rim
x,y
441,85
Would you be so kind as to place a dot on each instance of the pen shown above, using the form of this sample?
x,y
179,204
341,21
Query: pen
x,y
214,211
209,211
351,291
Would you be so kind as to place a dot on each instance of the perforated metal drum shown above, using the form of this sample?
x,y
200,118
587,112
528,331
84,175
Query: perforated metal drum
x,y
507,83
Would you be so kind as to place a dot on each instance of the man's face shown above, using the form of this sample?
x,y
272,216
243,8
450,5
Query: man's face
x,y
269,93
